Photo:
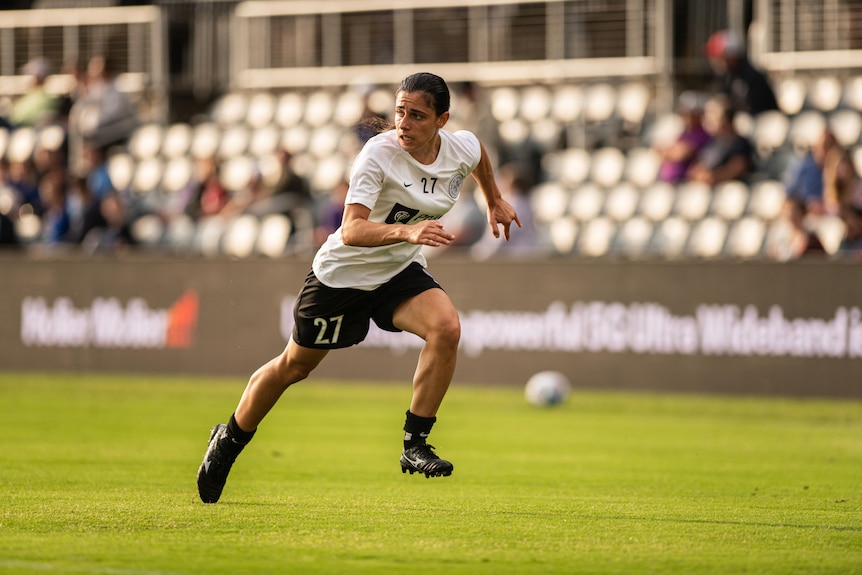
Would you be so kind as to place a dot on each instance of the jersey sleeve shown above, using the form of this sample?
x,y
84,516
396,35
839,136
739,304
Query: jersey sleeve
x,y
366,176
468,146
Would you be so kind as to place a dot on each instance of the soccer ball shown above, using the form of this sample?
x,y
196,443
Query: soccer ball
x,y
547,388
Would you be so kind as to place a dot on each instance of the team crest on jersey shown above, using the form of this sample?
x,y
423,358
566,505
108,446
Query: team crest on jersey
x,y
400,214
455,186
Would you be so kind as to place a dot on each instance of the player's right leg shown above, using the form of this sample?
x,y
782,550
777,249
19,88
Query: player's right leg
x,y
264,388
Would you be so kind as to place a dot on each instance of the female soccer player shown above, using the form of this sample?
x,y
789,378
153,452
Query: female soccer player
x,y
403,181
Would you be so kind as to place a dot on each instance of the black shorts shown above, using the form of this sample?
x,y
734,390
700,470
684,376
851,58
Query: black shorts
x,y
332,318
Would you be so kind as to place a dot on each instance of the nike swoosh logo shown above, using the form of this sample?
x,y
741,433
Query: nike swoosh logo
x,y
406,185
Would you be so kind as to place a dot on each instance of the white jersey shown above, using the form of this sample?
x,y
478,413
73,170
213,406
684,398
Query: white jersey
x,y
398,190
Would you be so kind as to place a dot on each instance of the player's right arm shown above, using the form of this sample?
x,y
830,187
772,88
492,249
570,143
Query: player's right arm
x,y
357,230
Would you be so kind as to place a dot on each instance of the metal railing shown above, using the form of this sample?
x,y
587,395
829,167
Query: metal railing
x,y
289,44
133,37
793,36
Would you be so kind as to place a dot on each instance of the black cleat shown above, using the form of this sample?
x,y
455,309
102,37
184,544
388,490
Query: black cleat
x,y
421,458
217,462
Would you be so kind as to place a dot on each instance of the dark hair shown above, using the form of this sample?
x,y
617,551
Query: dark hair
x,y
434,87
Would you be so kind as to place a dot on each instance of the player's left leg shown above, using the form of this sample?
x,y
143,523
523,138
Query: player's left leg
x,y
432,316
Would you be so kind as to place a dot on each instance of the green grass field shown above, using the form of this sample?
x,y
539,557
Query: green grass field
x,y
97,476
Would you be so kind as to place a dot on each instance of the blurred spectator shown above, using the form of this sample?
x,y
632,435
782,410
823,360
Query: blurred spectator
x,y
851,215
329,213
82,208
102,113
678,156
728,155
56,222
114,236
748,88
204,195
21,178
795,239
245,199
515,186
806,178
36,107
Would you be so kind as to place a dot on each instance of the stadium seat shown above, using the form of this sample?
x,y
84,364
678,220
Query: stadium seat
x,y
805,129
382,101
505,104
587,201
121,170
146,141
177,140
289,110
846,124
22,143
324,141
273,236
633,102
205,140
28,226
295,139
790,94
767,199
241,235
729,200
270,169
670,237
574,166
622,202
549,201
770,131
230,109
148,230
608,165
830,231
513,132
179,233
236,173
564,234
4,141
657,201
664,130
234,142
856,157
50,138
178,173
596,237
777,243
328,173
261,110
319,108
208,236
349,107
547,134
824,93
567,104
264,140
535,103
148,176
600,102
707,237
693,200
642,166
853,93
745,238
634,236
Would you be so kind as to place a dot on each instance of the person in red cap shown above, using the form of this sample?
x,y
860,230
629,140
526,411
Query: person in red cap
x,y
748,88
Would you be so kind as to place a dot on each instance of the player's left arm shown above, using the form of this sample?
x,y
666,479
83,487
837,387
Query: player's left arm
x,y
500,212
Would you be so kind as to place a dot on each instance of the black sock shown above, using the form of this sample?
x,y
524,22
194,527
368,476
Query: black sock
x,y
416,429
236,433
